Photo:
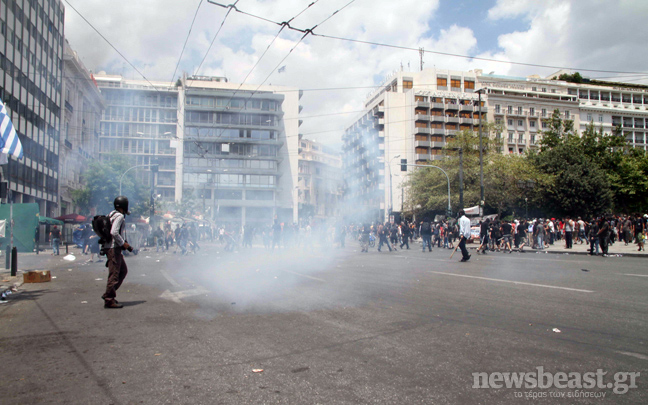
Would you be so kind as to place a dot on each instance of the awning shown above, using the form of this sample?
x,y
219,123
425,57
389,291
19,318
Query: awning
x,y
72,219
49,221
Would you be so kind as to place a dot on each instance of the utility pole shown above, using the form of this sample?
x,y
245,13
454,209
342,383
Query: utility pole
x,y
461,186
481,157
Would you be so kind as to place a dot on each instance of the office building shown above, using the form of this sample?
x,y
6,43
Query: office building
x,y
238,150
413,114
320,182
84,105
140,122
31,81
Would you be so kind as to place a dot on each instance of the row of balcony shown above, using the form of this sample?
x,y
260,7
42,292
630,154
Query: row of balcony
x,y
443,119
449,106
436,131
535,114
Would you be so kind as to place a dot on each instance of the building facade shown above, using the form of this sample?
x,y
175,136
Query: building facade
x,y
413,114
81,121
31,81
237,150
140,122
320,183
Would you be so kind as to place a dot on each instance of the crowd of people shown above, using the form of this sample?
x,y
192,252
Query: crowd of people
x,y
599,233
494,235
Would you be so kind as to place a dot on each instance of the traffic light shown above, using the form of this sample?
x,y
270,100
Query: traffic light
x,y
403,165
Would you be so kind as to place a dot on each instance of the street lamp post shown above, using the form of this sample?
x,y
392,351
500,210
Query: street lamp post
x,y
447,178
128,170
481,152
526,185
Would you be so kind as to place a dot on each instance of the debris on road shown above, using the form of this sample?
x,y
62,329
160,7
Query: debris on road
x,y
84,302
257,370
584,270
98,279
70,258
158,354
556,330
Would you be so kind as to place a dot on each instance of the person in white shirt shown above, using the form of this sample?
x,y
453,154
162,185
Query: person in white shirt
x,y
464,235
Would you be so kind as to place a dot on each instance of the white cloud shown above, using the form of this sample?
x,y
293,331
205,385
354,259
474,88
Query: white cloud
x,y
596,34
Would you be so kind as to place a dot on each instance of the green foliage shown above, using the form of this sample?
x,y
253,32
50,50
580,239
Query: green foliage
x,y
188,206
102,186
574,78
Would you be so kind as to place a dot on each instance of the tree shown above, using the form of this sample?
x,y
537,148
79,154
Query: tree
x,y
428,188
578,185
502,177
102,186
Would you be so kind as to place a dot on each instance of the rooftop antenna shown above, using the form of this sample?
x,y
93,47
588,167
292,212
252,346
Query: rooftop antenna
x,y
421,53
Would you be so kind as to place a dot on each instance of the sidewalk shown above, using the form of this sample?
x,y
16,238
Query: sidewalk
x,y
32,261
619,248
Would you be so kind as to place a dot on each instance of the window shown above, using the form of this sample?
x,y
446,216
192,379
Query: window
x,y
600,117
531,111
589,117
510,123
534,88
519,111
510,137
408,84
553,90
567,116
544,112
544,89
510,109
456,83
520,123
469,84
442,81
497,108
544,125
532,124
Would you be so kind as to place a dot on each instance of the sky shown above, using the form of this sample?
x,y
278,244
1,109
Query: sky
x,y
604,36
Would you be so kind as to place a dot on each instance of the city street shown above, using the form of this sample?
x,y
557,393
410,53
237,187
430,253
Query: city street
x,y
334,326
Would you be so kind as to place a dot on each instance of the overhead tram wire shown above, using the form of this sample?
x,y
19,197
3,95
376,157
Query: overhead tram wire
x,y
230,7
186,40
284,24
233,6
426,51
112,46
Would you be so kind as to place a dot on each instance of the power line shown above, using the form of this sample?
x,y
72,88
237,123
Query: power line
x,y
233,6
186,40
417,49
109,43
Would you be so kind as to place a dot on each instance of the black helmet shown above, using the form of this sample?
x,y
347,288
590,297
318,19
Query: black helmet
x,y
122,202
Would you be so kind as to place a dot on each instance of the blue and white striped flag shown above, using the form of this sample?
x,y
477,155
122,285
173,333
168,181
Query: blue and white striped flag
x,y
9,142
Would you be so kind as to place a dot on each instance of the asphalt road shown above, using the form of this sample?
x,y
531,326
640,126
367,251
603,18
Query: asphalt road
x,y
335,326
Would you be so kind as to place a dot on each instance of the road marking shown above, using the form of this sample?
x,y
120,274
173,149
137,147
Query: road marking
x,y
512,282
169,279
176,296
637,355
304,275
636,275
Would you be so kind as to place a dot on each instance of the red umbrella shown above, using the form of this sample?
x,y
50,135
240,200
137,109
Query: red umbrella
x,y
72,219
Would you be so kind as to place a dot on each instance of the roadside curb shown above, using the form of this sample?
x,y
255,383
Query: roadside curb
x,y
554,252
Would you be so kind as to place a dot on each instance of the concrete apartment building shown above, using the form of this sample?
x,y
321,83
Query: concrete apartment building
x,y
413,114
237,150
320,182
140,122
31,81
84,105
